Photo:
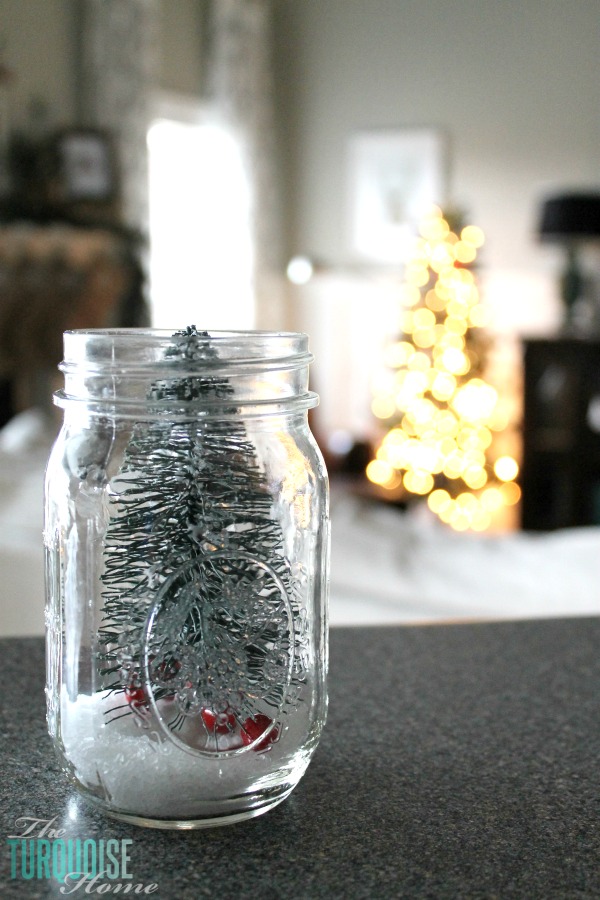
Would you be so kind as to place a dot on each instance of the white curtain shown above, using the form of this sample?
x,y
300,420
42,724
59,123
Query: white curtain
x,y
240,86
117,77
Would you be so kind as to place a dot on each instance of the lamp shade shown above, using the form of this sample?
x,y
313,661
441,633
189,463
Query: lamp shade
x,y
568,216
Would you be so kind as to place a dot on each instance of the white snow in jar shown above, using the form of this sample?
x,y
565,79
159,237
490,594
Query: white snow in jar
x,y
133,765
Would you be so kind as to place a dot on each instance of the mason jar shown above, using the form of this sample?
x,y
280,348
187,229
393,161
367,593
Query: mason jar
x,y
186,534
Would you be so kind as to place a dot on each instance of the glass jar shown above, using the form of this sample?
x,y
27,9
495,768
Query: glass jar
x,y
187,546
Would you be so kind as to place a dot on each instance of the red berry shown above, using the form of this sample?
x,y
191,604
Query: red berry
x,y
136,696
253,728
221,723
167,671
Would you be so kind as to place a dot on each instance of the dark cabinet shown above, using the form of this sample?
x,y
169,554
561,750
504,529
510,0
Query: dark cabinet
x,y
560,475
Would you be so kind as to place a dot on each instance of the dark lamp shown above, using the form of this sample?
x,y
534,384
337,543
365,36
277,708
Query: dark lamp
x,y
572,220
570,217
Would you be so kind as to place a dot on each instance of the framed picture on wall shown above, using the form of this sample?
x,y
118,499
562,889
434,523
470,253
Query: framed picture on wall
x,y
86,166
395,177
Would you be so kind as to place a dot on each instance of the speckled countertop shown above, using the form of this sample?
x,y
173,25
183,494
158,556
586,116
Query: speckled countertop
x,y
458,761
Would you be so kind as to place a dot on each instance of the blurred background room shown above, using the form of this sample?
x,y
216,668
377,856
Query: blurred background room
x,y
414,184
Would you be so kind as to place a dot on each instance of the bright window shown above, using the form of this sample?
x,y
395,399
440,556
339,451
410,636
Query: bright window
x,y
200,239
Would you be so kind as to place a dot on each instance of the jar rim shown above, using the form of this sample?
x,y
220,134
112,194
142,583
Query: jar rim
x,y
169,332
122,367
91,349
193,412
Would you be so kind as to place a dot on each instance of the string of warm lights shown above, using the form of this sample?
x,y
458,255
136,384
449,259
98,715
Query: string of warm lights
x,y
441,414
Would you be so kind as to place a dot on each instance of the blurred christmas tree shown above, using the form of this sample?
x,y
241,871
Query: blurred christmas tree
x,y
441,415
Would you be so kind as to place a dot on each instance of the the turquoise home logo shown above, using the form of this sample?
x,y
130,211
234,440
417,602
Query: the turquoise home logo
x,y
39,851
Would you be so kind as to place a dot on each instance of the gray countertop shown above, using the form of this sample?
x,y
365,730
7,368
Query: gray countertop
x,y
457,761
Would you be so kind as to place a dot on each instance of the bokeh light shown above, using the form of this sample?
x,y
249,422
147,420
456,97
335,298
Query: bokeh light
x,y
442,416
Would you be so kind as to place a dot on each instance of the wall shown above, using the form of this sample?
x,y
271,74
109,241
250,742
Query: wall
x,y
512,86
38,43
